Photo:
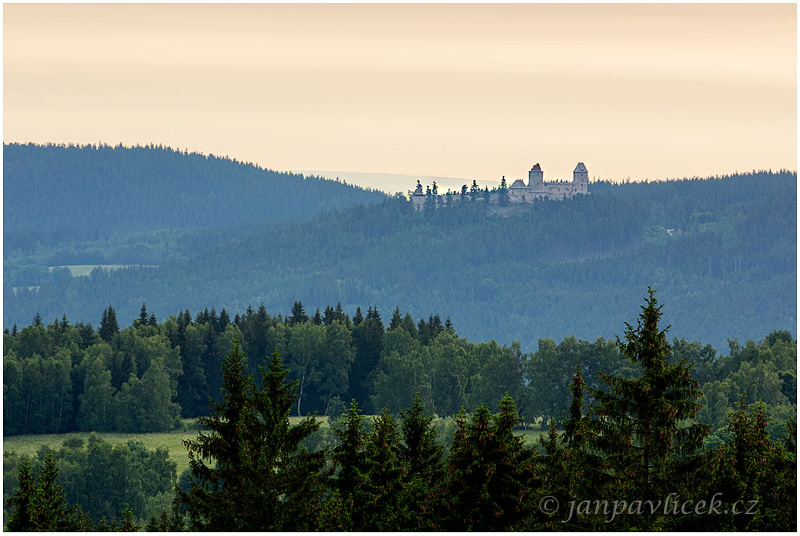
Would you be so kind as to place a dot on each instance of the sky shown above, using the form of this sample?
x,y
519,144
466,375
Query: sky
x,y
473,91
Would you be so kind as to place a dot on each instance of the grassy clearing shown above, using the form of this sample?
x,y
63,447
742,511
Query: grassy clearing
x,y
171,441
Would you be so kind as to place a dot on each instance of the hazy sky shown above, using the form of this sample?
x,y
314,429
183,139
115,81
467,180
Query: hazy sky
x,y
464,90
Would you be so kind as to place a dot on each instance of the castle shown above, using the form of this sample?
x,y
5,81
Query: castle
x,y
521,193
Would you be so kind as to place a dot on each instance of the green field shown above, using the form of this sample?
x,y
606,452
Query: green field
x,y
171,441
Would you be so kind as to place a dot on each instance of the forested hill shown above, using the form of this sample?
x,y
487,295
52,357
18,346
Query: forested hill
x,y
720,251
56,194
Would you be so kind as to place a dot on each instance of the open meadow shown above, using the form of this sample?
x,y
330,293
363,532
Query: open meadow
x,y
173,441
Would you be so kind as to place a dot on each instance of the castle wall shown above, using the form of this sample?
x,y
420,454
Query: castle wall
x,y
536,188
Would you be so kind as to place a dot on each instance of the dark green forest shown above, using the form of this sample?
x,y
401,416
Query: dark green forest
x,y
60,196
62,376
235,297
721,251
633,442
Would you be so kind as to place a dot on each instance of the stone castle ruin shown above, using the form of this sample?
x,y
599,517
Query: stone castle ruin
x,y
519,192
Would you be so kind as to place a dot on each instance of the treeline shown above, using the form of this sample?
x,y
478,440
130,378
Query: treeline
x,y
628,457
65,194
522,272
102,479
66,377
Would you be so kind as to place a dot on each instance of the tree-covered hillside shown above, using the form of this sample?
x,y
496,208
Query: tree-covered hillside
x,y
721,251
643,423
56,195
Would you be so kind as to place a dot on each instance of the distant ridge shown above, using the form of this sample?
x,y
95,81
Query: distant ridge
x,y
721,253
55,193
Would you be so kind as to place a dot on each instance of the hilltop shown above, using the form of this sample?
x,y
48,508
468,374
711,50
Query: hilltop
x,y
721,252
60,194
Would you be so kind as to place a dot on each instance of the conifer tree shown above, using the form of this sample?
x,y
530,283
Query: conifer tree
x,y
224,320
643,427
368,342
419,449
396,319
381,494
260,479
503,193
39,504
755,471
21,503
421,456
489,473
328,315
299,315
350,465
108,324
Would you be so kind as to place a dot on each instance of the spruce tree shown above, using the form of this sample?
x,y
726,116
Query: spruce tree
x,y
350,465
39,504
643,427
260,479
299,315
421,455
753,470
490,474
396,319
108,324
385,505
21,503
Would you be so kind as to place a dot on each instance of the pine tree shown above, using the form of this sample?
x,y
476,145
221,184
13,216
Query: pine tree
x,y
396,319
108,324
21,503
143,318
224,320
503,193
261,478
755,471
128,524
421,455
643,426
381,494
368,342
419,449
489,473
299,315
39,504
328,315
350,464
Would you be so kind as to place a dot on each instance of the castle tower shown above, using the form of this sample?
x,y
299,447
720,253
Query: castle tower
x,y
536,178
580,179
